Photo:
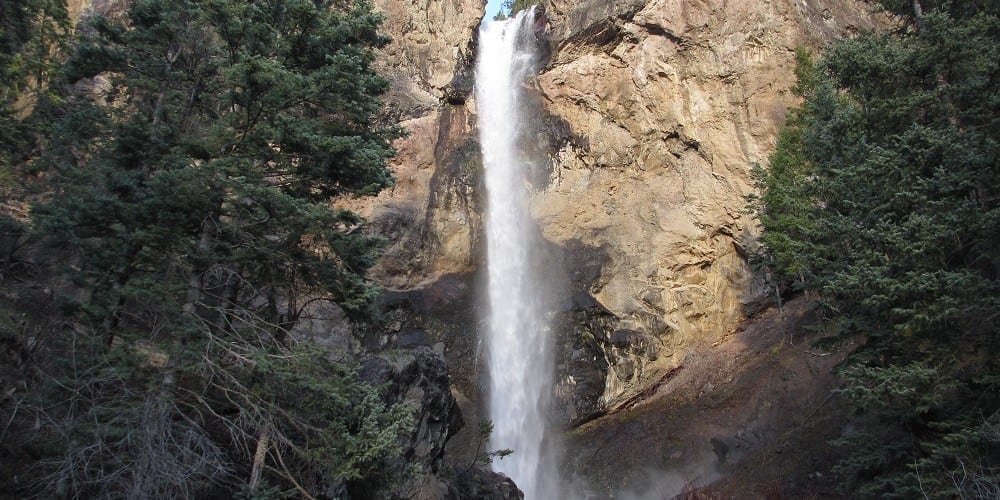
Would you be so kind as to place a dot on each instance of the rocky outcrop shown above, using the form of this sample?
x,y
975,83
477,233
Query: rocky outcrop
x,y
651,115
754,409
481,484
417,376
431,216
82,10
432,43
668,105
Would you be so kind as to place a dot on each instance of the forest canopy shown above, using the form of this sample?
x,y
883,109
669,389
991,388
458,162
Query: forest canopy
x,y
178,164
166,177
882,201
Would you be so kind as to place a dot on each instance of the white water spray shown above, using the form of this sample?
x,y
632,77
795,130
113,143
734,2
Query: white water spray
x,y
519,343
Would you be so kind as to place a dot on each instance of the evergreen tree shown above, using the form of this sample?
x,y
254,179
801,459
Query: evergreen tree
x,y
191,208
882,200
510,8
31,34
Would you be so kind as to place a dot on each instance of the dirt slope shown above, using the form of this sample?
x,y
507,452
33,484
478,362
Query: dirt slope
x,y
748,415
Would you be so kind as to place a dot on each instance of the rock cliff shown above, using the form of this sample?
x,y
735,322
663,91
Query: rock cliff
x,y
418,376
652,113
669,103
431,215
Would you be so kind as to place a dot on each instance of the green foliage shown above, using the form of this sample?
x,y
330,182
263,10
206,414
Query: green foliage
x,y
350,432
510,8
235,123
904,401
135,429
786,205
960,8
881,198
12,240
29,31
485,458
31,34
191,223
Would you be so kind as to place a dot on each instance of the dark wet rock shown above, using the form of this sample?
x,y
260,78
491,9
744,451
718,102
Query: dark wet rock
x,y
412,337
419,377
481,484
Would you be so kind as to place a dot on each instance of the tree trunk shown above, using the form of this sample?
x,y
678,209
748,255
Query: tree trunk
x,y
195,281
258,459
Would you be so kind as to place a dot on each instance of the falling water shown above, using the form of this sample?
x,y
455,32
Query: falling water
x,y
520,355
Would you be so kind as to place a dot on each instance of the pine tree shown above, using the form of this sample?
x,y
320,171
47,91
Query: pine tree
x,y
882,200
192,210
32,33
510,8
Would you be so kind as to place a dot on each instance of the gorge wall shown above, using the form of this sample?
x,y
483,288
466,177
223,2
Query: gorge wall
x,y
652,113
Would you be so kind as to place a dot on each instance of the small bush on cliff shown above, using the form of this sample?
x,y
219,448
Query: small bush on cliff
x,y
510,8
882,200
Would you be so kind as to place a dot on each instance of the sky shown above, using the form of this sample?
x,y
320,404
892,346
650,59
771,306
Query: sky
x,y
492,8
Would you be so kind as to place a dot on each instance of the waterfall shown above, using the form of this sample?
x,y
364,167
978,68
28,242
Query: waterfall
x,y
519,343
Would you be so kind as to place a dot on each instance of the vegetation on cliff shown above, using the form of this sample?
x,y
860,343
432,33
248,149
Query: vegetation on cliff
x,y
31,32
881,200
509,8
180,228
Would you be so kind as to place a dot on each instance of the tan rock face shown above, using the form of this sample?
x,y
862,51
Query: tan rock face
x,y
671,102
79,10
429,40
431,216
653,113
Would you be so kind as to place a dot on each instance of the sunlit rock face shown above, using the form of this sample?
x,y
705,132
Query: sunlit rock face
x,y
431,217
649,117
650,114
668,104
